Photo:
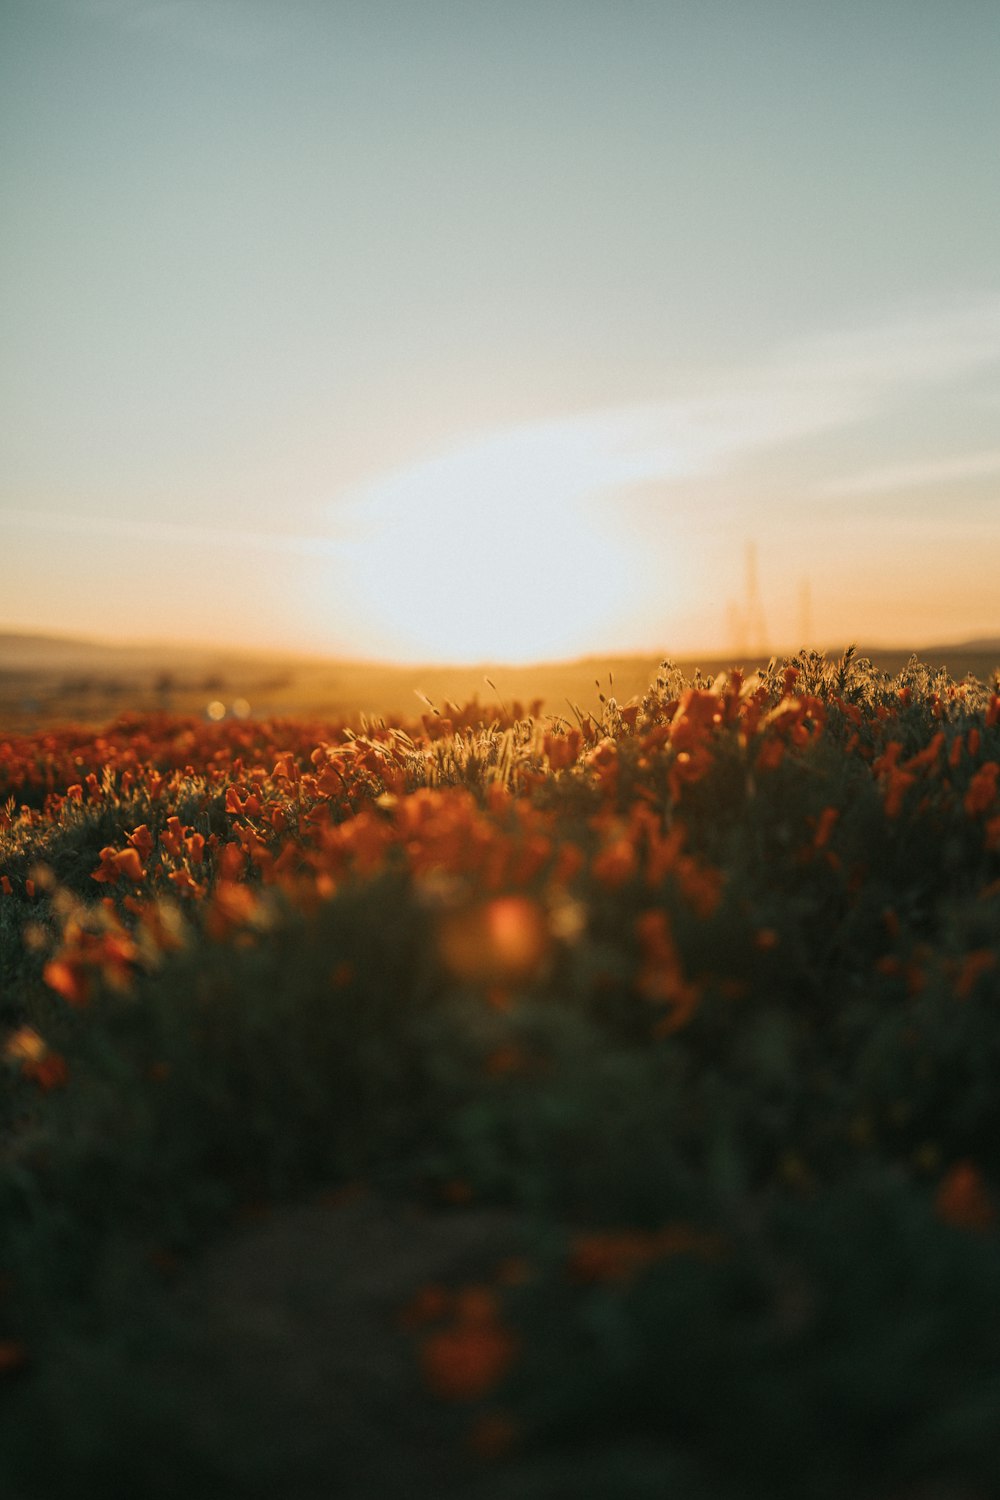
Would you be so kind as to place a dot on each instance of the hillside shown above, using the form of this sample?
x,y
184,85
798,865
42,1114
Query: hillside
x,y
51,679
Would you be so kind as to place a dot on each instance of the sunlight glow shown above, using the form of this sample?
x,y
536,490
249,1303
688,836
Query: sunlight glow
x,y
507,549
517,583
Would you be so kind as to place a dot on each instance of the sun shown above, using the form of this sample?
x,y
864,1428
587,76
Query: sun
x,y
511,583
509,549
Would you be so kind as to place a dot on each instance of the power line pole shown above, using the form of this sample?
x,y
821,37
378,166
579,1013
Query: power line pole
x,y
755,628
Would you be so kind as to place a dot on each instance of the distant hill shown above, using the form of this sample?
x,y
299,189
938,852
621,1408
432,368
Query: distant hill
x,y
48,678
986,646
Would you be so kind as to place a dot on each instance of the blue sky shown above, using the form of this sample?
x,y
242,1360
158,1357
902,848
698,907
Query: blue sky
x,y
457,330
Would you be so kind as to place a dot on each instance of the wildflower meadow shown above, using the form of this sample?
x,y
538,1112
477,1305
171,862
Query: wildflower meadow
x,y
508,1102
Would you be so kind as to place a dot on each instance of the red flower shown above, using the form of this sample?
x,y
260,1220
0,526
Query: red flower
x,y
504,942
615,865
469,1359
142,840
13,1357
828,819
982,789
561,750
962,1199
116,863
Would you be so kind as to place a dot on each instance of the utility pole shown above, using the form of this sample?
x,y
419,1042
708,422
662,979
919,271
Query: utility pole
x,y
745,627
755,628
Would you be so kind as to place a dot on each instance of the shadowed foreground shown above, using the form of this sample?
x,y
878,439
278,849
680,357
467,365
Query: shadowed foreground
x,y
492,1104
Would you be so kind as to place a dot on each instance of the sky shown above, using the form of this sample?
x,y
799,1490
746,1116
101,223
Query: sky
x,y
445,331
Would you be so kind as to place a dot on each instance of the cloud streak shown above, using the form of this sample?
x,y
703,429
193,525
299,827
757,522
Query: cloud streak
x,y
928,350
826,384
536,472
65,523
889,478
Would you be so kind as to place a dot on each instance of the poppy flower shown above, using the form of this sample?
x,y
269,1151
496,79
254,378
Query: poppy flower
x,y
962,1199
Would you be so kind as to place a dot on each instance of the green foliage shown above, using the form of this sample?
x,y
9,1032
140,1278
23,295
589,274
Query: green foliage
x,y
784,1033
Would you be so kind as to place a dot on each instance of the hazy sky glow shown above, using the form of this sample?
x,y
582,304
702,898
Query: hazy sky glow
x,y
458,331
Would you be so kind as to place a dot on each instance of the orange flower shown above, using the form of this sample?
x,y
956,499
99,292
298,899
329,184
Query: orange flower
x,y
561,750
662,849
982,789
232,905
13,1357
973,965
25,1045
603,760
897,784
962,1199
770,754
927,757
615,865
285,768
172,838
504,941
231,861
46,1068
118,862
141,839
697,714
161,925
129,864
611,1255
700,885
195,846
661,978
569,862
620,1254
107,871
828,819
469,1360
49,1072
68,977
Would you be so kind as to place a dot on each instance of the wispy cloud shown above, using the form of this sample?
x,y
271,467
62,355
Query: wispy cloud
x,y
888,478
930,349
71,524
535,474
818,386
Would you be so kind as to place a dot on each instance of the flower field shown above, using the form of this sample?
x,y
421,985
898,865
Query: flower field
x,y
684,1017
